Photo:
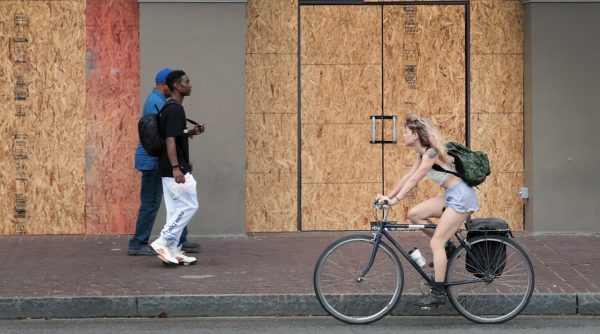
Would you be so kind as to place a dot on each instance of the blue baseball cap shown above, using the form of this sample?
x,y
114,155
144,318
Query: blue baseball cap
x,y
161,76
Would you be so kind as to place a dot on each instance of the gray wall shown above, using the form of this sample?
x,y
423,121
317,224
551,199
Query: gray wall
x,y
562,116
207,41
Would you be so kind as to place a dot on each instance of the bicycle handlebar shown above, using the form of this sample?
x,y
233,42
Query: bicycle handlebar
x,y
379,204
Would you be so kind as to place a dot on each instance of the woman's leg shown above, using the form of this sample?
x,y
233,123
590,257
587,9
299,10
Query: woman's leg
x,y
420,213
448,225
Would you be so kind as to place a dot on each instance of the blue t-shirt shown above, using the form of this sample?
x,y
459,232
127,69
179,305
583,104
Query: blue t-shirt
x,y
153,104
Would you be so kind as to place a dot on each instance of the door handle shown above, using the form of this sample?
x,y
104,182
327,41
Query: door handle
x,y
394,129
374,119
373,135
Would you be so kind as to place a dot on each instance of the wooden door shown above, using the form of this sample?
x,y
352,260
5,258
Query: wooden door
x,y
340,88
424,74
360,61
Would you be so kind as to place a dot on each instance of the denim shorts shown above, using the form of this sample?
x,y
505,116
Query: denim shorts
x,y
461,198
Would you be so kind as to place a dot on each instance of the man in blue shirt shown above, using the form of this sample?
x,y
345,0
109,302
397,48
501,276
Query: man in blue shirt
x,y
151,191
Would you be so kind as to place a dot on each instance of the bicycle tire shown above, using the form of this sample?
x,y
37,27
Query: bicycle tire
x,y
505,280
346,298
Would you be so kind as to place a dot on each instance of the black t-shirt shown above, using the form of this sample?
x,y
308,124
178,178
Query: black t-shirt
x,y
172,124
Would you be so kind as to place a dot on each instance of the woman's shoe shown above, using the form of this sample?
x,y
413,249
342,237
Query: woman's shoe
x,y
435,298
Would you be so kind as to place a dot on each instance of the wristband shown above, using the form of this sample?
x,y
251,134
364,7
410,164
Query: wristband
x,y
175,166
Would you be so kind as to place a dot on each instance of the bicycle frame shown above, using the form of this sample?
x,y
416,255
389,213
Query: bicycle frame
x,y
382,231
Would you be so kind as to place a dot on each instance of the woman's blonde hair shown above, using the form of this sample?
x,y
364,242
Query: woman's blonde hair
x,y
429,135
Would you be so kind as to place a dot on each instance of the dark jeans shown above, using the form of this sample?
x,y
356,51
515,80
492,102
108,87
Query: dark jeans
x,y
150,199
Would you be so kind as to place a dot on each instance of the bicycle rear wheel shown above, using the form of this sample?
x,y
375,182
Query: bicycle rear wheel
x,y
497,280
346,297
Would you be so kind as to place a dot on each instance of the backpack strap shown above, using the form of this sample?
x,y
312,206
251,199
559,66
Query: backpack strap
x,y
439,168
192,121
443,170
169,102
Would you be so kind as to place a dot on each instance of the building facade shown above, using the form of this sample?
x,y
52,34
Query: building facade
x,y
303,102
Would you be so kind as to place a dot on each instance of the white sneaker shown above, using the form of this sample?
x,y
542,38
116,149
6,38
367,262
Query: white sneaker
x,y
184,259
164,252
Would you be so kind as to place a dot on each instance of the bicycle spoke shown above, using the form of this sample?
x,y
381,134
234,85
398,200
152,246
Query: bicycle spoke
x,y
507,280
347,270
512,268
341,293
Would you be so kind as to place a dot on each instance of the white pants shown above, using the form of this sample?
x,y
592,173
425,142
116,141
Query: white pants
x,y
181,202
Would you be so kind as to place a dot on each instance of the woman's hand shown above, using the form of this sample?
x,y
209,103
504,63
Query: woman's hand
x,y
382,199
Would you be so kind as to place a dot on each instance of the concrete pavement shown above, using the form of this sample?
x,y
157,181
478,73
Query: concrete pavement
x,y
258,275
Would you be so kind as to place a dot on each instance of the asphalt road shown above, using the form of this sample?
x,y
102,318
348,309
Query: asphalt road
x,y
301,325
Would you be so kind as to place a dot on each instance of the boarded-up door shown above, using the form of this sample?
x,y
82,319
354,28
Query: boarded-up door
x,y
361,61
424,62
341,87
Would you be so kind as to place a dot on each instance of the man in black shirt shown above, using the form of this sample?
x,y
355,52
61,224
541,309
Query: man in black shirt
x,y
179,186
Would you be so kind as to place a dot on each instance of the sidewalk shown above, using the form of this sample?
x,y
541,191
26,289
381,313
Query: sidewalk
x,y
264,274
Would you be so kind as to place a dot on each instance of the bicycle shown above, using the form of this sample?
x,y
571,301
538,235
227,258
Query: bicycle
x,y
359,279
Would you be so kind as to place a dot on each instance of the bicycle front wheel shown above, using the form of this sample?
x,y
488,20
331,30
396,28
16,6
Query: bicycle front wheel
x,y
492,283
348,297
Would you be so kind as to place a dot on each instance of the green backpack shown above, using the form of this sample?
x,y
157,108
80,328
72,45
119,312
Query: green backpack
x,y
471,166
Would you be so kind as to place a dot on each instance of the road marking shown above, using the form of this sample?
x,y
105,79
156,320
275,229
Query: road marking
x,y
197,276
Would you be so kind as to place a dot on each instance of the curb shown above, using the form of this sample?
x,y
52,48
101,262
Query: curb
x,y
251,305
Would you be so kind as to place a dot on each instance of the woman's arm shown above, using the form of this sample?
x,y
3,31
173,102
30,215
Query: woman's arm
x,y
425,166
412,170
411,179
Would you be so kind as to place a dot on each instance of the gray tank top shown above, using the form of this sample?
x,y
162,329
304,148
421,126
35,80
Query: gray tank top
x,y
439,177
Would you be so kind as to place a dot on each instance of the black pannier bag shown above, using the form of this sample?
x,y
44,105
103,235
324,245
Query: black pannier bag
x,y
486,255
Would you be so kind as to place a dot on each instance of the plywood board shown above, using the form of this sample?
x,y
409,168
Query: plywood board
x,y
46,158
271,138
271,202
499,197
424,66
496,26
339,153
424,74
112,115
497,83
8,66
340,93
271,26
271,83
57,28
341,34
501,137
341,88
350,208
271,143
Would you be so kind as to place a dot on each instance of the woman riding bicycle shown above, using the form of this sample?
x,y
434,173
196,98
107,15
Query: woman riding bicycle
x,y
458,203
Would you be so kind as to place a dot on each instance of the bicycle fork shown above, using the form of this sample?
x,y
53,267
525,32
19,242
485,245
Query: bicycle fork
x,y
376,242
